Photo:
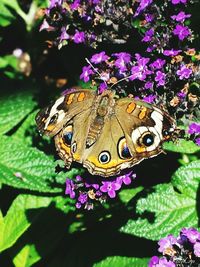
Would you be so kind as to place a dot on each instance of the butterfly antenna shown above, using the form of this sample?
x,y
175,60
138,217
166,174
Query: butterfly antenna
x,y
95,70
121,80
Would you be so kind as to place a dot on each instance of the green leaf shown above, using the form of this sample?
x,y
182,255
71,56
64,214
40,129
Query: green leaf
x,y
22,132
6,16
27,256
172,206
25,167
182,146
13,108
15,223
8,60
127,194
118,261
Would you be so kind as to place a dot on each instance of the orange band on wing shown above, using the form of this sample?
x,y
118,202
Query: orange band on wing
x,y
81,97
70,99
131,107
142,113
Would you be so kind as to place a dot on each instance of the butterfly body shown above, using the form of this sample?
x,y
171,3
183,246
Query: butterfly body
x,y
103,132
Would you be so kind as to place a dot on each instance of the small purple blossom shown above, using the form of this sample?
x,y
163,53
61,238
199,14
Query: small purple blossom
x,y
122,59
153,261
197,141
140,70
83,197
64,35
102,87
194,128
172,52
166,242
54,3
163,262
70,188
191,233
160,78
175,2
110,188
181,31
158,63
143,4
197,249
148,35
149,99
98,58
79,37
148,85
45,26
184,72
75,5
126,178
181,16
86,72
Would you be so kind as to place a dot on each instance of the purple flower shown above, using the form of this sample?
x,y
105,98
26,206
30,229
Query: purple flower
x,y
158,63
149,17
70,188
102,87
45,26
83,197
148,85
86,72
175,2
140,71
153,261
122,59
184,72
181,16
181,95
149,99
194,128
64,35
191,233
148,35
54,3
79,37
78,205
171,52
98,58
181,31
143,4
166,242
126,178
197,141
163,262
197,249
75,4
110,188
160,78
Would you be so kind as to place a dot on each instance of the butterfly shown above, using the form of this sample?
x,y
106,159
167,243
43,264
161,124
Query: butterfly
x,y
105,133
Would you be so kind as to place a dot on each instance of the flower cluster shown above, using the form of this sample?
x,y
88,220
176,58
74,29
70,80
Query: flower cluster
x,y
194,131
159,79
180,251
92,22
87,191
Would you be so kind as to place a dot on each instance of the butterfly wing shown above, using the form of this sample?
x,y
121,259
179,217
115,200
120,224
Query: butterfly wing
x,y
145,127
103,157
51,119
